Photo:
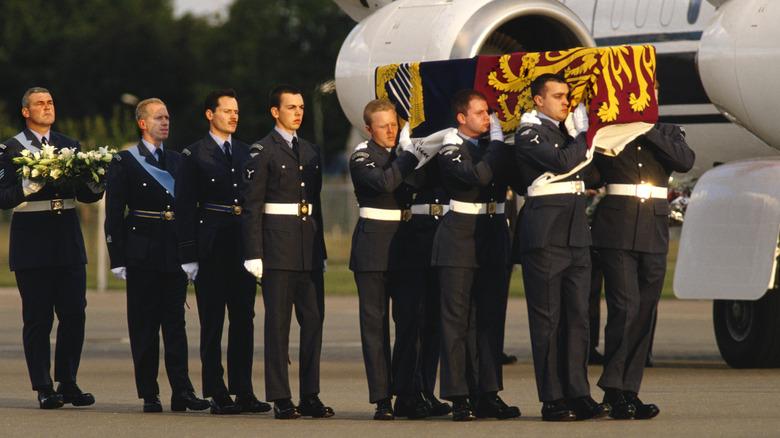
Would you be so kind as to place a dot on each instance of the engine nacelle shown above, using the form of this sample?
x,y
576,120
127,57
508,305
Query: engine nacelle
x,y
419,30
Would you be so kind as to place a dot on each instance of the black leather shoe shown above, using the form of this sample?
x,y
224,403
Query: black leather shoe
x,y
311,406
462,410
384,409
284,409
152,403
644,411
48,399
412,407
508,359
222,404
622,409
490,405
586,408
436,408
71,393
247,402
188,400
557,410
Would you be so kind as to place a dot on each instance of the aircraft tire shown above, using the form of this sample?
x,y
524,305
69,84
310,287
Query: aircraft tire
x,y
748,332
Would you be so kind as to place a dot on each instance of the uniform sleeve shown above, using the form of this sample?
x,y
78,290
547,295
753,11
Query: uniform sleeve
x,y
116,203
384,179
254,183
538,148
455,162
11,193
671,148
186,208
318,208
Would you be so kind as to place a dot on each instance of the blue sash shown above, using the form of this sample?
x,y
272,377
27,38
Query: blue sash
x,y
161,176
21,138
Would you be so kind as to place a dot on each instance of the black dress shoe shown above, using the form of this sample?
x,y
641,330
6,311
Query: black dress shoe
x,y
622,409
586,408
247,402
188,400
48,399
384,409
436,408
412,407
644,411
311,406
71,393
595,358
222,404
508,359
152,403
462,410
557,410
490,405
284,409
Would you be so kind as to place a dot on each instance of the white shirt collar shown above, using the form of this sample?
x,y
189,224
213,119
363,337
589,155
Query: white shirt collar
x,y
150,146
286,135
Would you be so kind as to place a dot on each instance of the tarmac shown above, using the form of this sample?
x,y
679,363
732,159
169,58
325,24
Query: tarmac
x,y
698,394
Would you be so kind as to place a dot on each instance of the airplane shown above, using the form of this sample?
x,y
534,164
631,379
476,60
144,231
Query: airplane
x,y
716,65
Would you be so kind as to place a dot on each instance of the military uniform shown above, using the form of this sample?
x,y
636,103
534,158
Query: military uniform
x,y
46,252
283,227
376,258
471,251
208,226
552,244
631,232
144,241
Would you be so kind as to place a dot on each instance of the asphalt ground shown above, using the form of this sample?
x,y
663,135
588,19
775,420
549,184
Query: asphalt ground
x,y
698,394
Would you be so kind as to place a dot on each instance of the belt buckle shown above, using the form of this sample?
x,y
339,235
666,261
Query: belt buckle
x,y
491,208
303,209
436,210
166,215
236,210
406,215
57,205
644,191
577,187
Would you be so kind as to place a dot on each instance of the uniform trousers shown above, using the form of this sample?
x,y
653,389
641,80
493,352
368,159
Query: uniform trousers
x,y
557,291
386,377
425,281
155,300
281,291
632,285
44,292
473,315
222,282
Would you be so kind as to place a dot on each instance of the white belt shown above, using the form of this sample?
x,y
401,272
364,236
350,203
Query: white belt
x,y
477,207
47,205
430,209
383,214
558,188
288,209
643,191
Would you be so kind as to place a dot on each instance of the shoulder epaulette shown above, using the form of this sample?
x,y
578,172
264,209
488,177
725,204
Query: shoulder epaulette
x,y
446,150
359,156
186,152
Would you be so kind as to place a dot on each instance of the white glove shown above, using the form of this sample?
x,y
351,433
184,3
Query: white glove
x,y
324,266
191,269
255,267
120,272
29,187
580,118
496,132
530,117
96,187
404,141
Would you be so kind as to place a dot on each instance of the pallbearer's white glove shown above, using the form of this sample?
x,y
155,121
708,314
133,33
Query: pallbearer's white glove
x,y
29,187
324,266
120,272
580,119
530,117
404,141
496,132
191,269
255,267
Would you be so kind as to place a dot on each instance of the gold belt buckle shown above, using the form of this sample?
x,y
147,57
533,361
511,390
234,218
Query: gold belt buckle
x,y
406,215
491,208
303,209
577,187
236,210
167,215
437,210
57,204
644,191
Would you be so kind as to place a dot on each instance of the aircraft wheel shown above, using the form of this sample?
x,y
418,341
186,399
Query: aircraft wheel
x,y
748,332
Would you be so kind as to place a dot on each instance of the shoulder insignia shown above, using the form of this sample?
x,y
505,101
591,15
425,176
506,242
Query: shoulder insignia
x,y
249,173
117,157
255,149
361,146
2,146
186,153
359,156
449,149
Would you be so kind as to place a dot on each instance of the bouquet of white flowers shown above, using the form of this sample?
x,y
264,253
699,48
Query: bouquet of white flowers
x,y
65,166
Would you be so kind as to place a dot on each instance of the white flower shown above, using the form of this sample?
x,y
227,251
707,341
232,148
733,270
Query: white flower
x,y
48,150
101,171
26,153
35,173
81,155
67,153
26,171
56,173
37,155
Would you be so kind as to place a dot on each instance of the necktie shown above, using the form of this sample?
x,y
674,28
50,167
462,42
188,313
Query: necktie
x,y
160,157
44,142
295,146
565,131
227,153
